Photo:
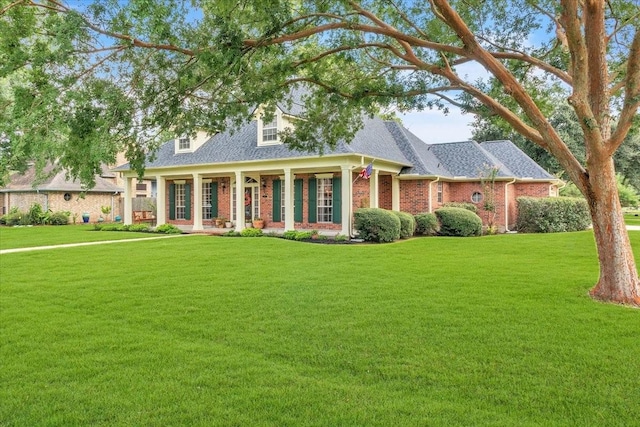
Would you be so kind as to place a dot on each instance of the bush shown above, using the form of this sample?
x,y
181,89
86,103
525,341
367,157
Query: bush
x,y
36,216
303,235
458,222
377,225
232,233
59,218
251,232
407,224
552,214
427,224
141,228
290,235
463,205
168,229
14,217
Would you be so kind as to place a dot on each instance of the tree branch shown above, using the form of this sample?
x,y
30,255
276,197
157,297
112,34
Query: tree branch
x,y
631,99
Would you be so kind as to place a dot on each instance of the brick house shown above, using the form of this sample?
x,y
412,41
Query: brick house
x,y
57,193
250,173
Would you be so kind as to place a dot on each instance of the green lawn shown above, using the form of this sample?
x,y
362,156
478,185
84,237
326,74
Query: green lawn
x,y
26,237
236,331
632,217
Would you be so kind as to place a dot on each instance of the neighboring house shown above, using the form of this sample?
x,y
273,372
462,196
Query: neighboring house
x,y
58,193
249,174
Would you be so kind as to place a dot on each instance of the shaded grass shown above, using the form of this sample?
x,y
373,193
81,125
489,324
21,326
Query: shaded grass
x,y
26,237
212,331
632,217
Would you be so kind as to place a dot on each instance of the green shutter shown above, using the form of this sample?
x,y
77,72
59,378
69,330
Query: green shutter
x,y
297,197
337,200
313,200
187,201
214,200
172,201
277,202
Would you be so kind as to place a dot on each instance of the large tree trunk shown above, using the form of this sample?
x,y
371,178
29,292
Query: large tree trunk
x,y
618,282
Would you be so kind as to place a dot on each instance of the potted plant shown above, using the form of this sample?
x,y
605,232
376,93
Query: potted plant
x,y
105,210
228,224
258,223
220,222
85,217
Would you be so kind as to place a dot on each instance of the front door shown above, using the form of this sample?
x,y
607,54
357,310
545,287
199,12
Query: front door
x,y
251,205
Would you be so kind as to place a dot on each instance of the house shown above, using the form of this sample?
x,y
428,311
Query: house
x,y
250,173
58,193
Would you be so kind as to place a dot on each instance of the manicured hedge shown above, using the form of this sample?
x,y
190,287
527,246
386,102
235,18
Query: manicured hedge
x,y
427,224
552,214
377,225
464,205
458,222
407,224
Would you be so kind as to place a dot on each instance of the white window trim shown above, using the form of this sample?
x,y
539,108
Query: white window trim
x,y
319,198
189,149
277,116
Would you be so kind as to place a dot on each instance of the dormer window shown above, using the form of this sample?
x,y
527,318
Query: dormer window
x,y
184,143
270,131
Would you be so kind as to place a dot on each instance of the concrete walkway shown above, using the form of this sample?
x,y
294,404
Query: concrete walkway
x,y
102,242
168,236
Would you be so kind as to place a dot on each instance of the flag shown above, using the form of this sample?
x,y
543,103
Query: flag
x,y
366,172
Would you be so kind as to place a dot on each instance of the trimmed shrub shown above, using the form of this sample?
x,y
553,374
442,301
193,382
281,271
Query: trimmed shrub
x,y
251,232
290,235
463,205
168,229
377,225
407,224
143,228
458,222
552,214
427,224
59,218
303,235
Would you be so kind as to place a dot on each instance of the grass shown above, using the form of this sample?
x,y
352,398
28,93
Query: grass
x,y
216,331
26,237
632,217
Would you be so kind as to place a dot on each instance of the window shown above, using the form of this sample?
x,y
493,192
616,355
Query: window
x,y
184,143
206,200
439,191
180,201
325,200
67,196
270,131
141,186
476,197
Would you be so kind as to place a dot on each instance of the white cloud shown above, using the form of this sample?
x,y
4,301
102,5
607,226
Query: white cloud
x,y
433,126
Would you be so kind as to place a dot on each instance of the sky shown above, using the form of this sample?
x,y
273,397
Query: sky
x,y
433,126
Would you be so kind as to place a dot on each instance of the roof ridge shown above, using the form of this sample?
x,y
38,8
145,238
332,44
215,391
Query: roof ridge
x,y
403,132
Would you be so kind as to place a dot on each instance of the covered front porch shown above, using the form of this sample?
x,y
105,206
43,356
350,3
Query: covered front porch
x,y
311,194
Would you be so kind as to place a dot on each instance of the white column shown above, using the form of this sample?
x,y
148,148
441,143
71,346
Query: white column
x,y
373,189
347,201
395,193
128,203
197,202
161,205
239,201
289,223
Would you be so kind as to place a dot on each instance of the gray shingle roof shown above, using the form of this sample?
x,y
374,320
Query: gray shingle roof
x,y
378,139
521,165
56,182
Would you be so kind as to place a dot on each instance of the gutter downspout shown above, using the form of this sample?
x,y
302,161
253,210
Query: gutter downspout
x,y
430,183
506,206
